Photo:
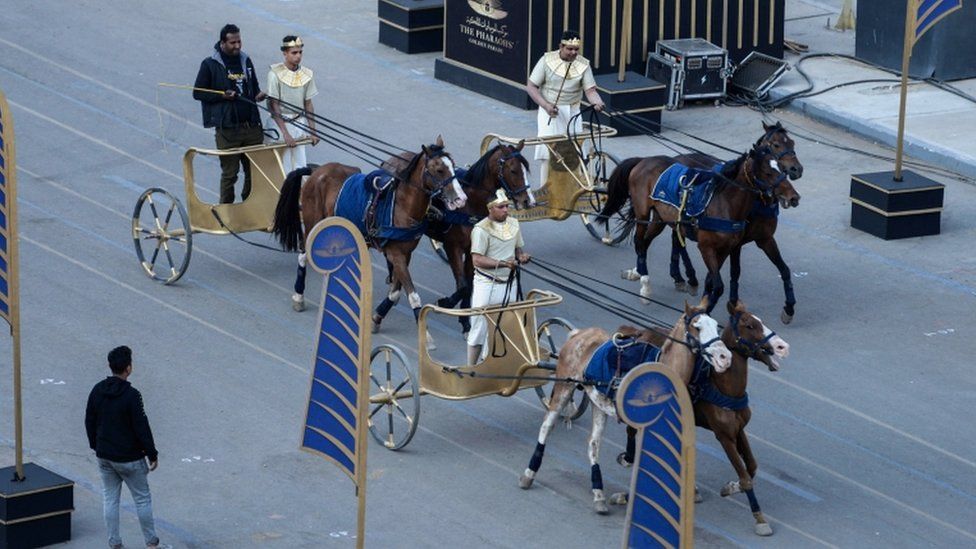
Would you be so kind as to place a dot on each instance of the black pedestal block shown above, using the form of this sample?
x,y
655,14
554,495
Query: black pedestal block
x,y
892,209
36,511
641,98
470,78
412,26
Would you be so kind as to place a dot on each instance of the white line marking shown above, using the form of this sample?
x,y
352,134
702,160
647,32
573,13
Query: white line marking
x,y
868,489
166,305
862,415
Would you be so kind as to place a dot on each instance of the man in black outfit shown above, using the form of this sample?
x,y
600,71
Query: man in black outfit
x,y
118,431
233,113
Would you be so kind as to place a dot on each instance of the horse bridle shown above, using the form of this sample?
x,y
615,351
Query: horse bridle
x,y
765,151
509,191
439,184
750,348
694,343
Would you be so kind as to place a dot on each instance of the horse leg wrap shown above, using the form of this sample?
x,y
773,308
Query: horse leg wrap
x,y
536,460
642,265
788,288
596,477
384,307
675,269
300,279
753,502
631,443
416,314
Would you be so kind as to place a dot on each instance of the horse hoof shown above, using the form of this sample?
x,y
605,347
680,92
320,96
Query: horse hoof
x,y
629,274
732,487
785,318
376,324
698,496
763,529
298,305
623,461
601,507
525,482
693,290
620,498
681,286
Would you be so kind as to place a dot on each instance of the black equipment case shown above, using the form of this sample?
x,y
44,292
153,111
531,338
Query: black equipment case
x,y
692,68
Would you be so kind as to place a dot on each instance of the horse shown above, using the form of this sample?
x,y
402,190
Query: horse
x,y
501,167
694,334
761,173
429,173
721,403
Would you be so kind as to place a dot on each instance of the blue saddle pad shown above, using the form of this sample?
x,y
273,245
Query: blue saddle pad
x,y
603,363
668,189
357,194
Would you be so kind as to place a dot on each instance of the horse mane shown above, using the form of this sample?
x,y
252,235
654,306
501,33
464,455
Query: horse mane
x,y
478,171
404,174
730,170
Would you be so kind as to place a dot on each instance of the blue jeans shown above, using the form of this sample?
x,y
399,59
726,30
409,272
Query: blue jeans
x,y
134,474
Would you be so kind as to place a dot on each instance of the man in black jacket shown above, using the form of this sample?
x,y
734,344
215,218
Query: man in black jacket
x,y
234,113
118,431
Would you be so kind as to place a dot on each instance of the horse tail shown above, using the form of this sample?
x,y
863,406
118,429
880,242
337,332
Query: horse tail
x,y
287,226
618,189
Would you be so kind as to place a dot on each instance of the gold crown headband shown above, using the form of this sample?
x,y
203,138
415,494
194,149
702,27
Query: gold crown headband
x,y
571,42
296,43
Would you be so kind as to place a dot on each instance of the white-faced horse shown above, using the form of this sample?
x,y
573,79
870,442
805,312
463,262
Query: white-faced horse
x,y
694,334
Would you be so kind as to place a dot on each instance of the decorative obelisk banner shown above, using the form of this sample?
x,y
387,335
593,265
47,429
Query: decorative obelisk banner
x,y
9,268
661,506
335,422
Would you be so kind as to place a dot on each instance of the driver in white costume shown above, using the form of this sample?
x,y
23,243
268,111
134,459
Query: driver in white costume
x,y
557,84
290,89
496,249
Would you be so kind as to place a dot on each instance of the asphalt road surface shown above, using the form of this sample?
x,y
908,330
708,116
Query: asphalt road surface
x,y
864,438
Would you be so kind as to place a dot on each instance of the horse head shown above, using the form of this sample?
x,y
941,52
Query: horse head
x,y
439,177
781,148
747,335
769,178
702,336
510,169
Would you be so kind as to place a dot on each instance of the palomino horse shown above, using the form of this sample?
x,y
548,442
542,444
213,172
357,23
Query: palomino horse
x,y
722,405
761,173
429,173
501,167
695,334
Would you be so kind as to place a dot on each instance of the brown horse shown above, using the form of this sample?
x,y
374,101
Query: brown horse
x,y
429,173
694,334
760,228
762,173
722,405
501,167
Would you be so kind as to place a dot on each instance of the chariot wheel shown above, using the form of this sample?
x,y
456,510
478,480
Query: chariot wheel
x,y
552,334
599,166
162,235
394,401
439,249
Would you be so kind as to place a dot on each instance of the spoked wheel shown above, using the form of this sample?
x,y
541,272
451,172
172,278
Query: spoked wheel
x,y
162,235
552,334
600,165
394,401
439,250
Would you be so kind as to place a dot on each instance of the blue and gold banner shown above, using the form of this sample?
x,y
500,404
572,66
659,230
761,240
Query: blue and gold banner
x,y
8,204
661,506
335,422
930,12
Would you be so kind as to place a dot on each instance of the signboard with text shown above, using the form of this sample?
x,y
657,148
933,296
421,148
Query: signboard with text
x,y
490,35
